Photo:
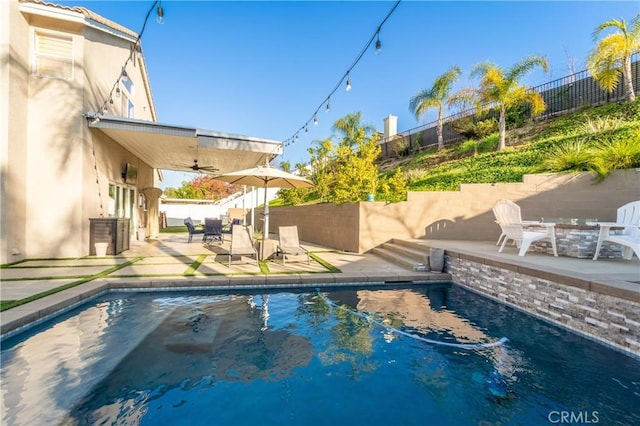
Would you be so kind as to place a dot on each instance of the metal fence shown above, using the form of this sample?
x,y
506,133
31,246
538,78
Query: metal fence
x,y
562,96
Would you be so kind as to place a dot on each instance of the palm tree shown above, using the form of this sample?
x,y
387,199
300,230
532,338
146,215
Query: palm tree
x,y
435,97
612,55
501,89
349,125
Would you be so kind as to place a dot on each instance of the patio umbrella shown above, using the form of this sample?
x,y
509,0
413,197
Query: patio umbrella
x,y
265,177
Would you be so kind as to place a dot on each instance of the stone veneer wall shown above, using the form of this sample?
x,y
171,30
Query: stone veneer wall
x,y
604,318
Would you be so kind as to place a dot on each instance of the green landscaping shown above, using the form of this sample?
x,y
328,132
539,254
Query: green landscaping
x,y
597,139
593,139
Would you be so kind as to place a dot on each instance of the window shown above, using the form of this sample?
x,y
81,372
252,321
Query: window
x,y
127,97
53,55
121,200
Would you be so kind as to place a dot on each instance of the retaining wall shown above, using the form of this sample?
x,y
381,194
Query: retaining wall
x,y
459,215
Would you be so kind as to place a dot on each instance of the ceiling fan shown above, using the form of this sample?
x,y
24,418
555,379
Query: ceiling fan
x,y
198,168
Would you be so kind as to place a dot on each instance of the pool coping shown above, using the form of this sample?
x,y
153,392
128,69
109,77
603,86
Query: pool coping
x,y
20,318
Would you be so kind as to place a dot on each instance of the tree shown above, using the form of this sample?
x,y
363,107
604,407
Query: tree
x,y
349,125
293,196
611,56
501,89
435,97
322,167
393,188
202,187
346,172
356,172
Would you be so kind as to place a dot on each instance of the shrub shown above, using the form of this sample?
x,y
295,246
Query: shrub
x,y
399,146
484,128
619,153
393,188
468,146
574,156
489,143
415,175
601,126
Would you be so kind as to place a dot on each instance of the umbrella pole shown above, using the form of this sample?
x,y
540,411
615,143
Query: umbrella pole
x,y
244,210
265,227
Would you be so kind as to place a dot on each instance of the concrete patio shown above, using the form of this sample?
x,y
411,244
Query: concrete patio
x,y
172,262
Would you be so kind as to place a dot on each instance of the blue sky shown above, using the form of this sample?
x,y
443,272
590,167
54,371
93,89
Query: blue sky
x,y
262,68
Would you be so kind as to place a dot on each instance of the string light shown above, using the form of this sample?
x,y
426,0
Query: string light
x,y
137,48
347,75
160,14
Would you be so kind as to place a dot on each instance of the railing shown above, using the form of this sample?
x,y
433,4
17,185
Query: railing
x,y
562,96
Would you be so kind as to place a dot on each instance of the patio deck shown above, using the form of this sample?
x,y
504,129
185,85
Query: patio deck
x,y
171,262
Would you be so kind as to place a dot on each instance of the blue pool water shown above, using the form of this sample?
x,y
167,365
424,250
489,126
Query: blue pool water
x,y
347,356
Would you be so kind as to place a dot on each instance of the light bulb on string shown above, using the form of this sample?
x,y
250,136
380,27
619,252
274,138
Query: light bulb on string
x,y
160,14
117,92
348,86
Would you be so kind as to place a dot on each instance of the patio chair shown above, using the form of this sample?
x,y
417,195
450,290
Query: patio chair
x,y
627,218
192,229
242,242
227,228
212,230
289,243
507,215
513,215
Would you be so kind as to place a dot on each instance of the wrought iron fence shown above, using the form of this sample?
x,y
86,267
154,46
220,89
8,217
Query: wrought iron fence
x,y
561,96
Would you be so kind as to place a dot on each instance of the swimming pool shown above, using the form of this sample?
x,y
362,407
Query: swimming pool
x,y
340,356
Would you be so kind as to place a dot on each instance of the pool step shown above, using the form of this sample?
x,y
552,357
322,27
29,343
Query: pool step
x,y
402,253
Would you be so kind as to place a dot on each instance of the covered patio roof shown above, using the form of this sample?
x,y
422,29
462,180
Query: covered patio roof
x,y
169,147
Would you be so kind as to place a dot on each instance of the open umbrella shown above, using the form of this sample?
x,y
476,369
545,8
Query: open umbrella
x,y
265,177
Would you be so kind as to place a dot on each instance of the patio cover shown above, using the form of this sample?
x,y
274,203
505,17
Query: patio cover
x,y
169,147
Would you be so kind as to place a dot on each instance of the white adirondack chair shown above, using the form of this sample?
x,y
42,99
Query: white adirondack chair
x,y
513,214
508,216
628,218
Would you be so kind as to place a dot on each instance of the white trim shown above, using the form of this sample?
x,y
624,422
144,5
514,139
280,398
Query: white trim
x,y
52,12
107,29
63,14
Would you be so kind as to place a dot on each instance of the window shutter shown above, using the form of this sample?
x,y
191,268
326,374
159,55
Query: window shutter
x,y
53,55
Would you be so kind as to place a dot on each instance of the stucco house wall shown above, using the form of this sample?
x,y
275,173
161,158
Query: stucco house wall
x,y
55,170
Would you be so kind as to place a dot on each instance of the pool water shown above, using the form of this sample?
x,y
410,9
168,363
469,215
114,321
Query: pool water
x,y
345,356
